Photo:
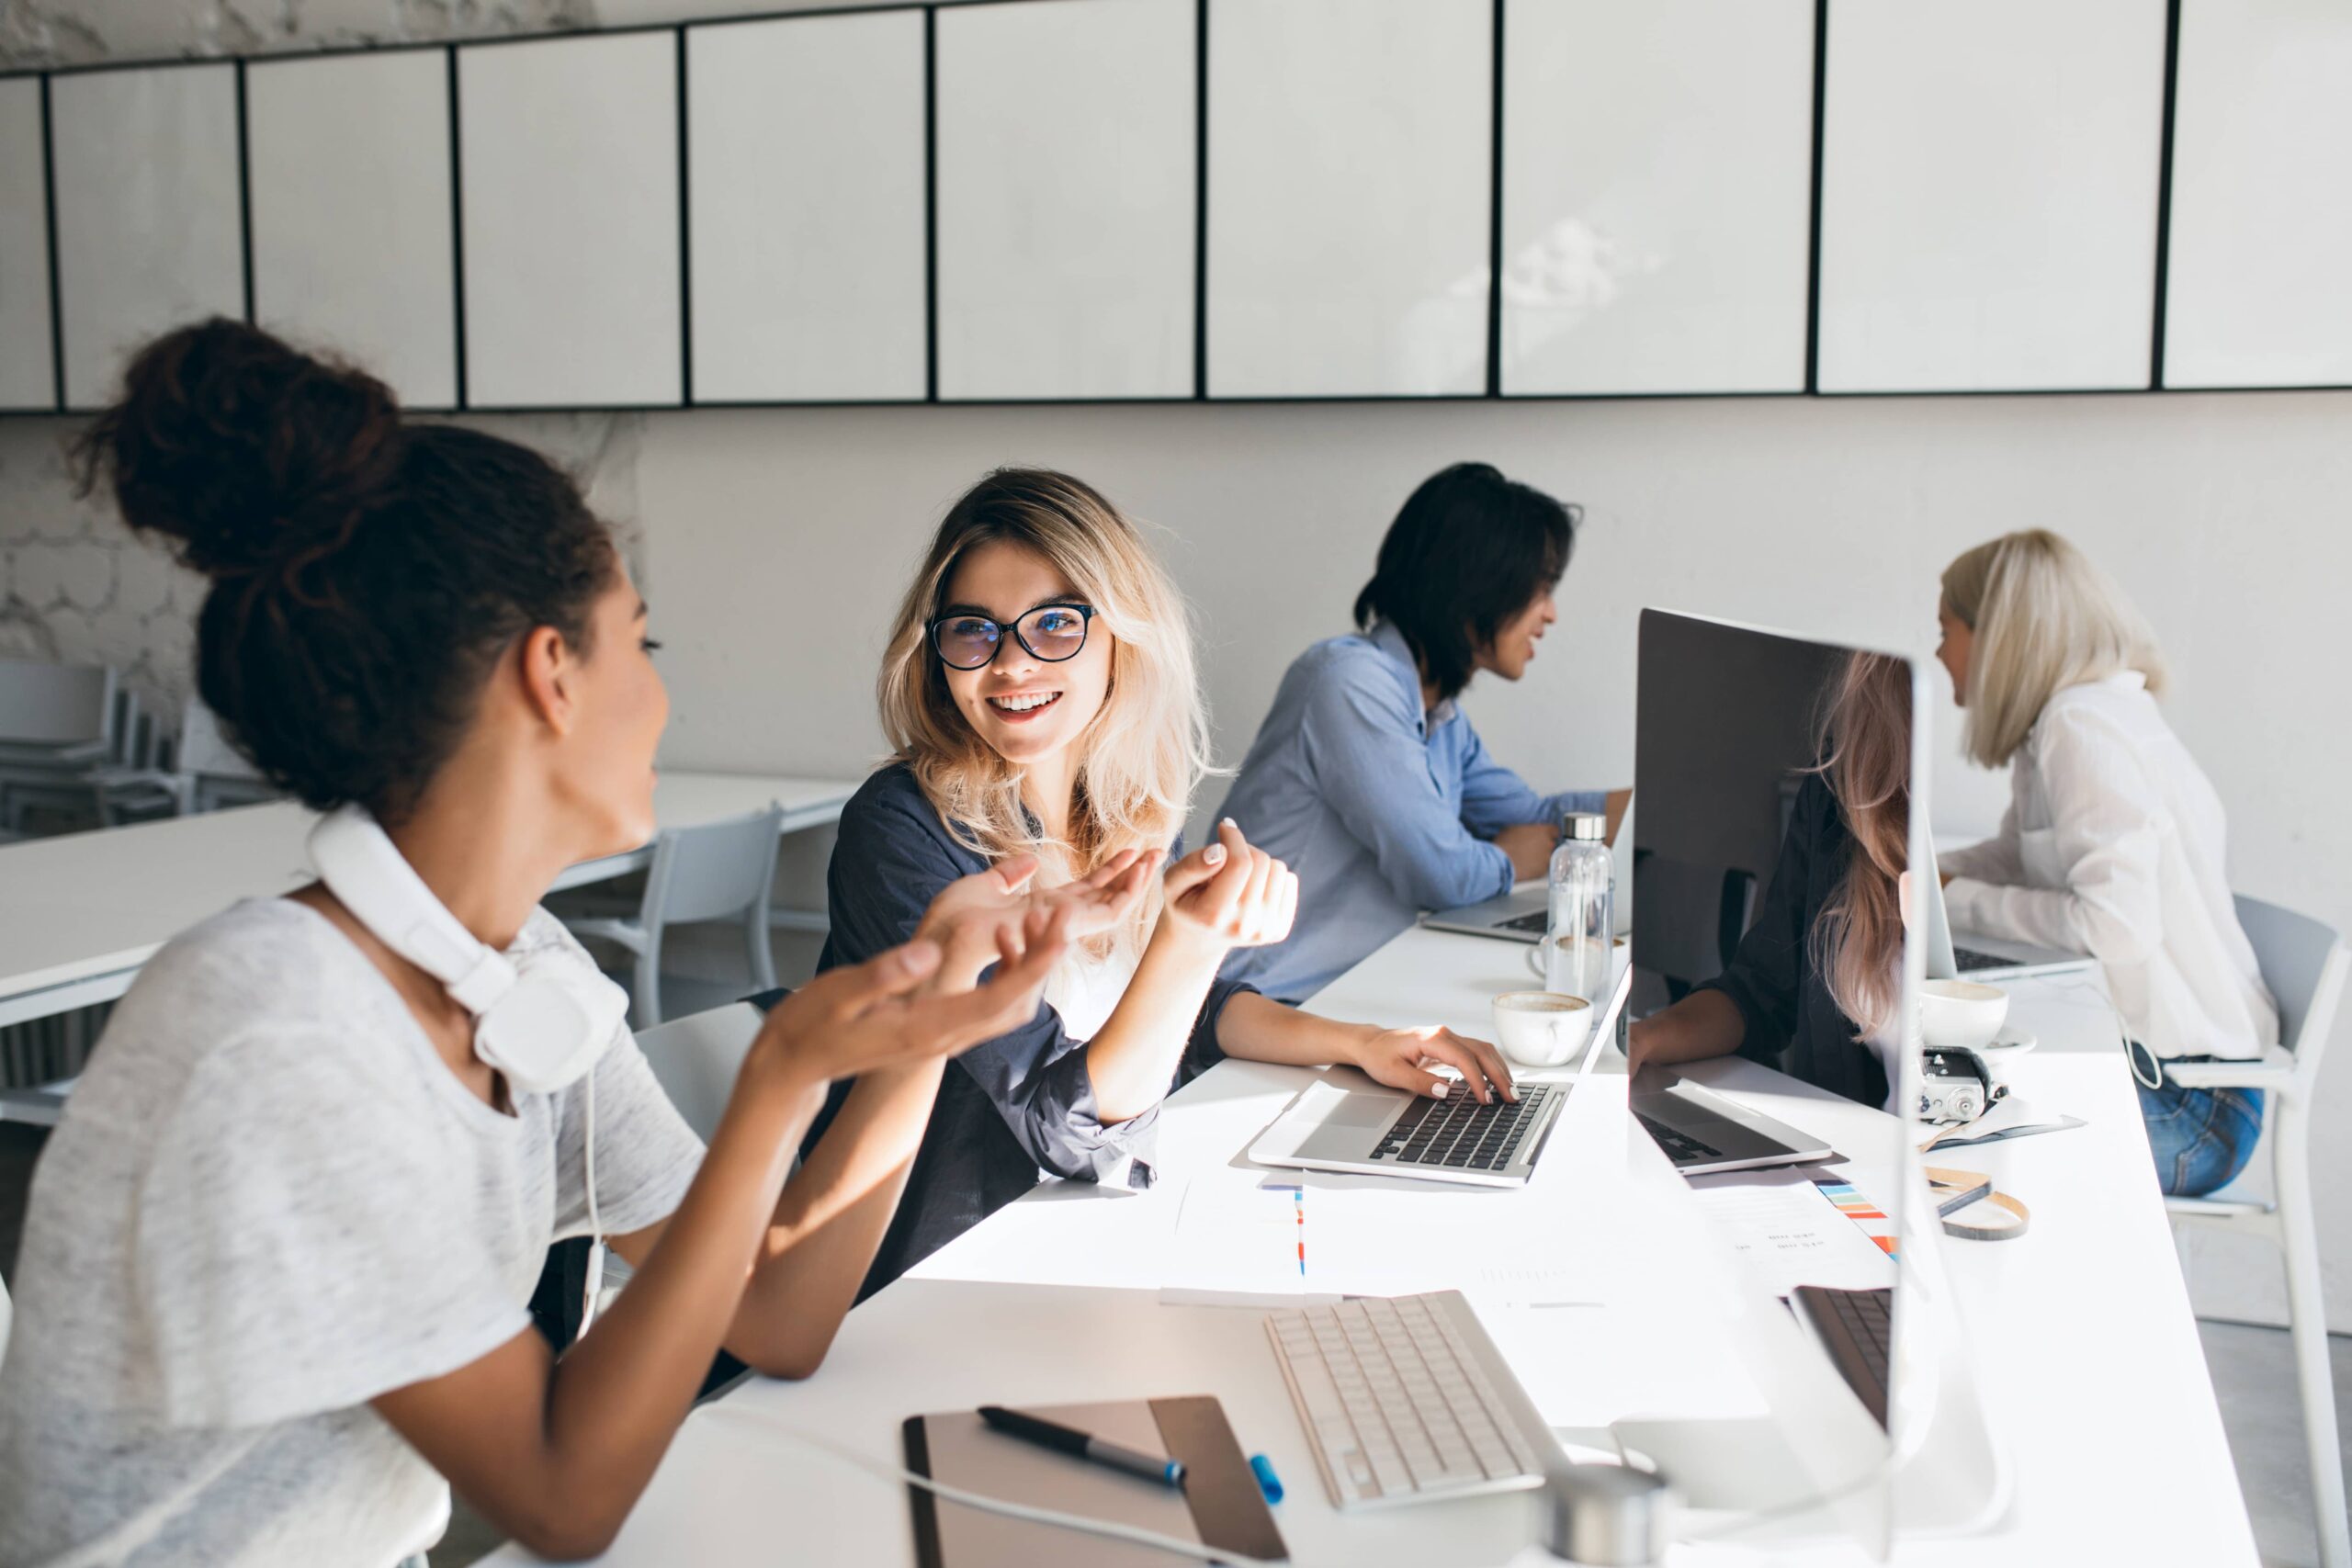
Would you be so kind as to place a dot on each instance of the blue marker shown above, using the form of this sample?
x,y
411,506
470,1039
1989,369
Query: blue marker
x,y
1268,1481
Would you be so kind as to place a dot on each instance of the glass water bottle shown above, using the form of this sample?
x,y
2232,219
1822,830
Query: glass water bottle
x,y
1579,945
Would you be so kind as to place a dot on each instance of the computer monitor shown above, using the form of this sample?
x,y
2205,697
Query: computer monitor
x,y
1725,728
1733,720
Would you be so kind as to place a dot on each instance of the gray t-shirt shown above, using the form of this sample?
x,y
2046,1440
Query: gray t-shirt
x,y
270,1201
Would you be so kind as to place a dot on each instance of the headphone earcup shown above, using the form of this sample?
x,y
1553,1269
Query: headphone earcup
x,y
550,1027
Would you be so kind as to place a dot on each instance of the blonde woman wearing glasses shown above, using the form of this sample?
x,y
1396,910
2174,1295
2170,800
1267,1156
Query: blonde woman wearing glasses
x,y
1040,697
2113,841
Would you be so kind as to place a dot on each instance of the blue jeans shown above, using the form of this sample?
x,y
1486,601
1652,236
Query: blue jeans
x,y
2201,1137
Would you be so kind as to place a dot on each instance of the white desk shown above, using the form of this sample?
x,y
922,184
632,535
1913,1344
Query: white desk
x,y
80,913
2091,1367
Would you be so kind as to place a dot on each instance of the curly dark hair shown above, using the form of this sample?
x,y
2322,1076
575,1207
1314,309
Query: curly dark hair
x,y
367,571
1469,550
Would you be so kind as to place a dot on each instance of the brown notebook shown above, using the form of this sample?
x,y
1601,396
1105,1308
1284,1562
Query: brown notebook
x,y
1219,1506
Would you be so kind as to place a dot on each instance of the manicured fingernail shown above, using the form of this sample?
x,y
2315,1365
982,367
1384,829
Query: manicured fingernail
x,y
1212,855
919,957
1437,1090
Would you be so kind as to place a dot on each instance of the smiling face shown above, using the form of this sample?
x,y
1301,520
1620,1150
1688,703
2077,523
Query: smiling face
x,y
1959,642
1513,648
1027,708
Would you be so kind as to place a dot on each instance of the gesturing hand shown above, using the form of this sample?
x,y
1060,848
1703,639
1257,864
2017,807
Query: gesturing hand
x,y
973,916
1402,1058
1231,894
885,1012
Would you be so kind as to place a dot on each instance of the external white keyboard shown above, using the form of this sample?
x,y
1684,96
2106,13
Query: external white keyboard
x,y
1405,1399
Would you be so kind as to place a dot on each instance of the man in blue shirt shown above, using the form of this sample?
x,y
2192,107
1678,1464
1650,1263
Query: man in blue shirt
x,y
1366,778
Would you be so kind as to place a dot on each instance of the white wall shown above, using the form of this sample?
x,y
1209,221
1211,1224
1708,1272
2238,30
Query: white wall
x,y
776,542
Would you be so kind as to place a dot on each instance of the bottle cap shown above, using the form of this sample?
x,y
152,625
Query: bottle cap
x,y
1589,824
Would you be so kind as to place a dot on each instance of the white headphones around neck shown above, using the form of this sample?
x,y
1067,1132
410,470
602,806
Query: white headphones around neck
x,y
542,1020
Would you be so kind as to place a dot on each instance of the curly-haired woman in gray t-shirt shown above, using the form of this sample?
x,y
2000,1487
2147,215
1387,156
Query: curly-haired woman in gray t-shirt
x,y
272,1290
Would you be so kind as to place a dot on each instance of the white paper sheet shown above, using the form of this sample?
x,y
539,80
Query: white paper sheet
x,y
1238,1245
1788,1233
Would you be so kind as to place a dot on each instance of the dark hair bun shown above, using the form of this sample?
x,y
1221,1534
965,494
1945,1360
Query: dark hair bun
x,y
242,449
367,574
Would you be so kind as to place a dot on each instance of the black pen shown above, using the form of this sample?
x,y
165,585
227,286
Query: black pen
x,y
1085,1445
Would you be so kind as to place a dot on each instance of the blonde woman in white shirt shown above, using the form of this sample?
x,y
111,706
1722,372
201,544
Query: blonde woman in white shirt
x,y
2112,845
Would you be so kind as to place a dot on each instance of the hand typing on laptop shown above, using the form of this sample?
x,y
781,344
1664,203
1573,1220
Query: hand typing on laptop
x,y
1408,1058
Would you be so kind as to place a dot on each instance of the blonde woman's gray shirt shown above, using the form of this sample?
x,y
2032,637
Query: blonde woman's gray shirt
x,y
269,1202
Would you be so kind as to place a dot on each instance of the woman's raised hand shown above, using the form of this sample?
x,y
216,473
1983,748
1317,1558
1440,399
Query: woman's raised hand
x,y
1231,894
889,1012
974,917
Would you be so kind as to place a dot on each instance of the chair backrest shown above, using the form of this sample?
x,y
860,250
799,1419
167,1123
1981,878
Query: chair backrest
x,y
717,869
204,751
695,1058
2304,960
55,705
1688,919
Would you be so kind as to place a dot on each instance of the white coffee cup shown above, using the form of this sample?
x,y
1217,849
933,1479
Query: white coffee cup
x,y
1541,1028
1957,1014
1554,962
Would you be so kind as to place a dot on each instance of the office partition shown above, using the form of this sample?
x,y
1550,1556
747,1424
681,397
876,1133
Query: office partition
x,y
568,175
349,178
1068,182
1024,200
1657,184
805,165
150,211
27,370
1349,196
1988,195
2260,273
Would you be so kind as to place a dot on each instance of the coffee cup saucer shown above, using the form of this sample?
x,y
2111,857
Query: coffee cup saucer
x,y
2011,1043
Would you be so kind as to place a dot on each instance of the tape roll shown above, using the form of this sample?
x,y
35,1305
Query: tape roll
x,y
1994,1217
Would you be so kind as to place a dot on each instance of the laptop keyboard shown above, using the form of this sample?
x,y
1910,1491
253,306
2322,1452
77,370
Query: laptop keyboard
x,y
1858,1327
1966,958
1461,1135
1681,1147
1538,922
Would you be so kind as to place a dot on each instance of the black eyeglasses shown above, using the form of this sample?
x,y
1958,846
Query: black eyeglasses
x,y
966,640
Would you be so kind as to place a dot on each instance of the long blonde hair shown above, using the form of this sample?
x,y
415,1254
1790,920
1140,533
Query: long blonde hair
x,y
1866,736
2044,618
1145,750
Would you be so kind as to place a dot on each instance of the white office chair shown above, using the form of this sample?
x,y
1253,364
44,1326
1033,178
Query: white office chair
x,y
211,771
6,1313
56,722
2304,962
710,872
695,1058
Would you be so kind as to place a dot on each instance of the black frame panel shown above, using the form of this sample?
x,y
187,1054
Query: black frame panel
x,y
1200,219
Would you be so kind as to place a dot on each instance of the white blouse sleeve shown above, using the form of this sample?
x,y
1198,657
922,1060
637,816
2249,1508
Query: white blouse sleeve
x,y
2107,828
1994,861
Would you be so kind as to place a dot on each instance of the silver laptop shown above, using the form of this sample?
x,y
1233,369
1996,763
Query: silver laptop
x,y
1353,1125
1985,958
1703,1132
1520,915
